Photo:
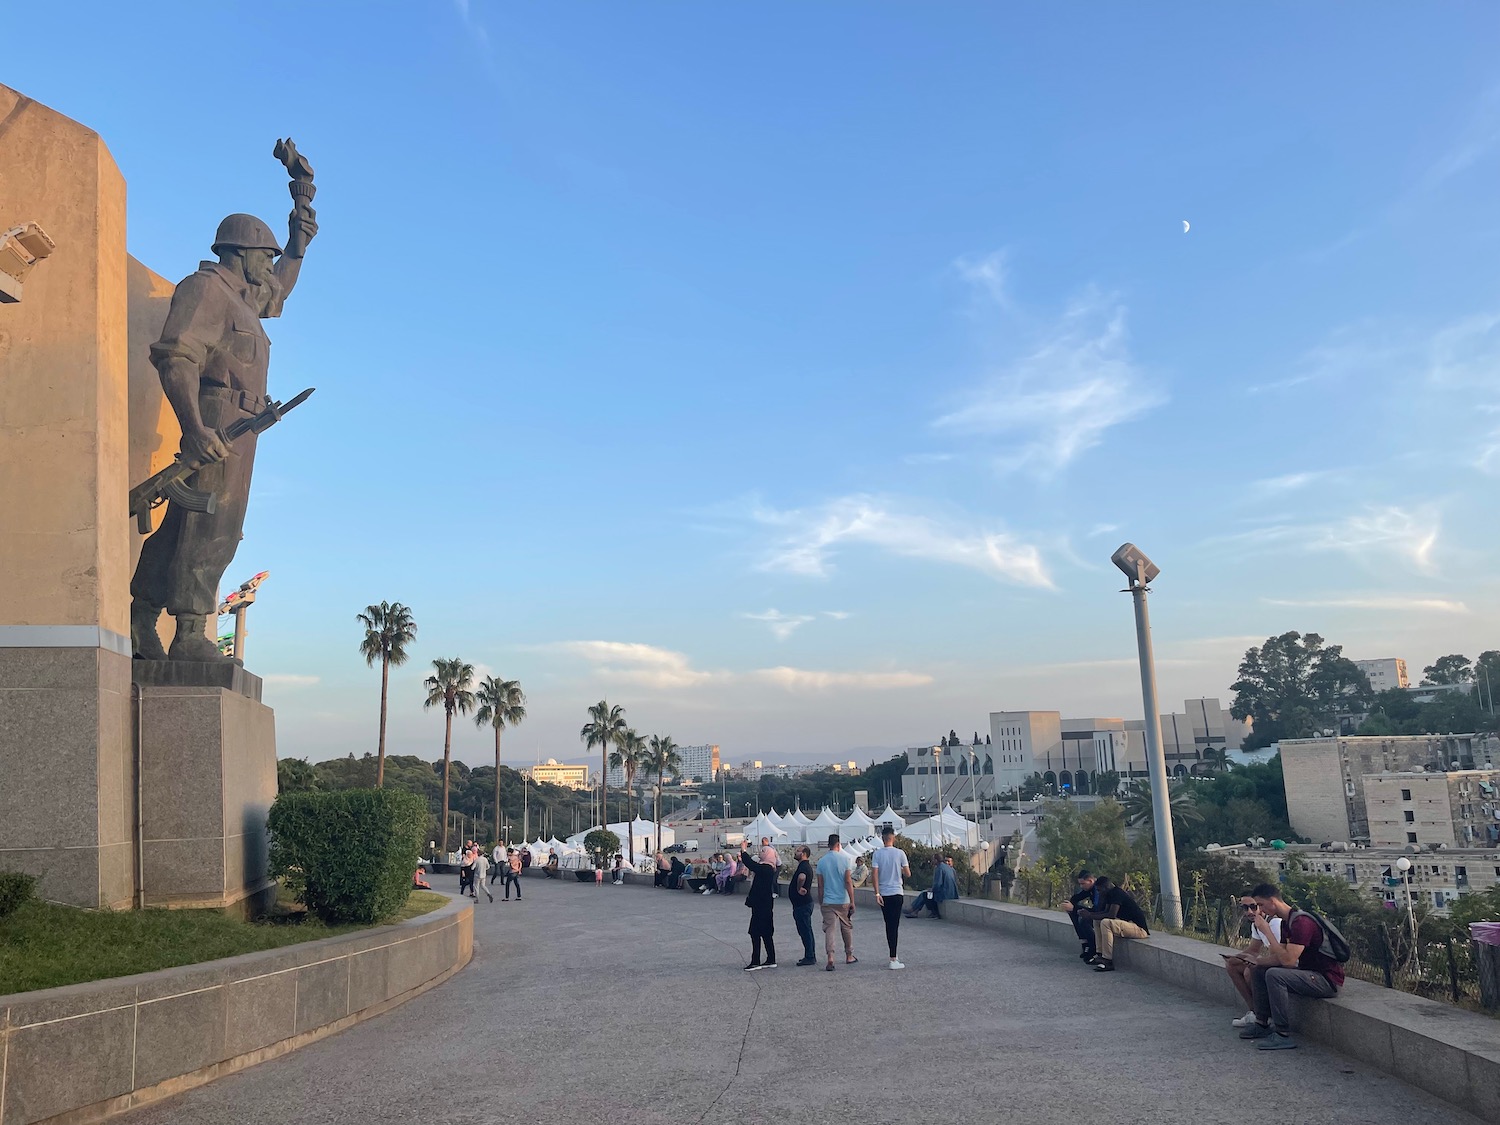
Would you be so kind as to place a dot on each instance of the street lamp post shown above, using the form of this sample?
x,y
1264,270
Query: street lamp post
x,y
974,779
1140,571
1403,865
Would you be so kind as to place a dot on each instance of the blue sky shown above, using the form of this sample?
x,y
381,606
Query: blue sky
x,y
787,373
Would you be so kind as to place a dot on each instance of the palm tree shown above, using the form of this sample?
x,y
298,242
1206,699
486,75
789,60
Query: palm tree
x,y
661,759
1140,807
449,687
603,730
502,704
629,755
389,628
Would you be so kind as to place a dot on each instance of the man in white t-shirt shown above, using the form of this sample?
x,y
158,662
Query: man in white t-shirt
x,y
888,867
1242,964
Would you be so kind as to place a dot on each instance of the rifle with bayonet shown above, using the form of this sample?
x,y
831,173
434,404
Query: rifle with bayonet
x,y
171,482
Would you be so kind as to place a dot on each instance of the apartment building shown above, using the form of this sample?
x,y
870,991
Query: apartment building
x,y
1459,809
1436,878
1325,776
1385,674
556,773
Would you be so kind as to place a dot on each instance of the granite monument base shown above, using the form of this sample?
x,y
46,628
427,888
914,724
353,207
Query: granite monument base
x,y
208,777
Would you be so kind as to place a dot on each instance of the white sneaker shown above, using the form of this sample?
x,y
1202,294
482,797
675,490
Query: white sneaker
x,y
1244,1021
897,965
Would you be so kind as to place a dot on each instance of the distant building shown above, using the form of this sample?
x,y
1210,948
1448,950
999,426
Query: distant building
x,y
1458,809
1436,878
701,762
1384,674
941,775
1200,735
1019,739
755,769
1325,777
555,773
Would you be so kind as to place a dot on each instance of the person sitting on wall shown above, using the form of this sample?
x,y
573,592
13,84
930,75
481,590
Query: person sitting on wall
x,y
551,869
617,876
1084,899
419,879
661,869
1304,960
944,887
1118,915
1240,964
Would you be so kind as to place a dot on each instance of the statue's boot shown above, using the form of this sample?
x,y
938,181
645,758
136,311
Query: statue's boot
x,y
145,642
191,643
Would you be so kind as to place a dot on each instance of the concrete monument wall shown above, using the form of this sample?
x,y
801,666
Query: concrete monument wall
x,y
66,768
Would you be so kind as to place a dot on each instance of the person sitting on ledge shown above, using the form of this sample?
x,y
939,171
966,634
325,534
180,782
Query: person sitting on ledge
x,y
661,869
551,869
419,879
1118,915
1301,960
1240,964
1084,899
617,876
944,887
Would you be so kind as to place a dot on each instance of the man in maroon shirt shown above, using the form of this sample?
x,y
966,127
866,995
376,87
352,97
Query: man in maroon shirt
x,y
1295,963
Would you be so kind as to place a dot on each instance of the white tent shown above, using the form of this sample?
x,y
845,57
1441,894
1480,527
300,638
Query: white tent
x,y
644,832
947,827
818,830
763,826
890,817
554,842
796,817
856,826
773,818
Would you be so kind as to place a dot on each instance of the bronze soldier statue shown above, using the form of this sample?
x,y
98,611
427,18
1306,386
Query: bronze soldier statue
x,y
213,357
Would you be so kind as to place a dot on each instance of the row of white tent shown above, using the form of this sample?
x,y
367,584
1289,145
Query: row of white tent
x,y
946,827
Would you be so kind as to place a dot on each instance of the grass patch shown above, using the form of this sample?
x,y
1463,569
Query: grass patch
x,y
44,945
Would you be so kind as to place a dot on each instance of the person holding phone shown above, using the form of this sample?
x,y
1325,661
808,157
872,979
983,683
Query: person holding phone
x,y
1240,964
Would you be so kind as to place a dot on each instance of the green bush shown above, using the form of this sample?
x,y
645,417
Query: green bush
x,y
15,889
348,855
602,844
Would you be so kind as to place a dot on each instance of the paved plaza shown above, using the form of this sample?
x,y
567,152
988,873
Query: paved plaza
x,y
627,1006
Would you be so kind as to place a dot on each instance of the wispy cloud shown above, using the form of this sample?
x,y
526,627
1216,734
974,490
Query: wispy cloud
x,y
291,679
1354,350
1101,529
1371,535
782,625
1383,604
641,664
802,679
1074,381
988,274
808,538
663,669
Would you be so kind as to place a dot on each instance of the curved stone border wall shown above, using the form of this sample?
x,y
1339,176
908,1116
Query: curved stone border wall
x,y
87,1051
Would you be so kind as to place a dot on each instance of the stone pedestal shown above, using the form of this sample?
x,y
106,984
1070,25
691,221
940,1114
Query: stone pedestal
x,y
65,763
208,777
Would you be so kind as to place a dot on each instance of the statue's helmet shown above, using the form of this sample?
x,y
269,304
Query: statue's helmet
x,y
244,232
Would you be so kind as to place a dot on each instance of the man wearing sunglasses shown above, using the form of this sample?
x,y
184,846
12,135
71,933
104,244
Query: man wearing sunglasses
x,y
1240,965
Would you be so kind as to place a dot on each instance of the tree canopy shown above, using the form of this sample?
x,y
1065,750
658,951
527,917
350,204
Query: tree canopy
x,y
1292,686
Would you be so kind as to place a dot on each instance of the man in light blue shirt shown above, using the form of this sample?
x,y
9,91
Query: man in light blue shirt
x,y
836,896
889,867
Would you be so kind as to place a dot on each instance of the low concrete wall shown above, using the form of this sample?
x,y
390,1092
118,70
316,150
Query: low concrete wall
x,y
1452,1054
87,1051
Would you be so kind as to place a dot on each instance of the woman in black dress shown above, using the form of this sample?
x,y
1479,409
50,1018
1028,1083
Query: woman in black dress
x,y
760,900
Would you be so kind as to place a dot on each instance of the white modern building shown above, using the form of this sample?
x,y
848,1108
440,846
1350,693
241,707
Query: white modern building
x,y
699,763
1385,674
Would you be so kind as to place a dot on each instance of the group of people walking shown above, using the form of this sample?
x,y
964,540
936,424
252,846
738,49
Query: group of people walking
x,y
476,871
829,885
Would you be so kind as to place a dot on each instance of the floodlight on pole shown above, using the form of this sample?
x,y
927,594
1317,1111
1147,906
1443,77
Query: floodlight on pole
x,y
1140,571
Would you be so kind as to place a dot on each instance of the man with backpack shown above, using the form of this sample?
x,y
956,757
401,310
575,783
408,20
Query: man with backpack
x,y
1305,959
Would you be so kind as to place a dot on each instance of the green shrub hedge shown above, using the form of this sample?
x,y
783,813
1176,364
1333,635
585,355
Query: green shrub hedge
x,y
15,889
349,854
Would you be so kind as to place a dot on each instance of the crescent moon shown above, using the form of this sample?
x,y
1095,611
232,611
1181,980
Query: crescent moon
x,y
1186,226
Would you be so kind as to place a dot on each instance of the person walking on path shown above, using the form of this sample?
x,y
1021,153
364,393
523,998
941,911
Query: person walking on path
x,y
481,869
761,900
888,867
466,870
836,896
1304,960
800,895
497,861
512,874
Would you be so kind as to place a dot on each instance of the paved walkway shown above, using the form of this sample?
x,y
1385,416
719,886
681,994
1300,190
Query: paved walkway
x,y
627,1006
